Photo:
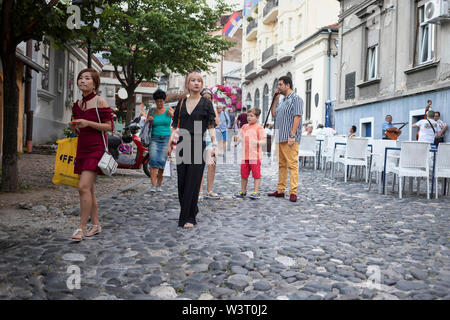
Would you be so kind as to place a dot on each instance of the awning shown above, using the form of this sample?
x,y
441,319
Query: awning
x,y
30,63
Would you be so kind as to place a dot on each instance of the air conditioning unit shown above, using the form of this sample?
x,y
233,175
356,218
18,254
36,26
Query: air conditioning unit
x,y
436,10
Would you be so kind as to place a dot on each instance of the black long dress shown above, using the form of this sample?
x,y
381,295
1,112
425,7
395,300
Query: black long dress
x,y
190,166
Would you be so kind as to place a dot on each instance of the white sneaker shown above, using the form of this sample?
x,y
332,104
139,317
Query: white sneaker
x,y
158,188
153,189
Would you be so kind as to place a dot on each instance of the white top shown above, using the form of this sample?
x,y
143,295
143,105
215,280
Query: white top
x,y
426,133
441,125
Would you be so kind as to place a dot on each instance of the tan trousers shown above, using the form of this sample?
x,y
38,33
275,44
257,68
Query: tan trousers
x,y
287,159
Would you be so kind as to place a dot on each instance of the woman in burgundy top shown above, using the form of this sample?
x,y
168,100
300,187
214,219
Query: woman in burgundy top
x,y
90,147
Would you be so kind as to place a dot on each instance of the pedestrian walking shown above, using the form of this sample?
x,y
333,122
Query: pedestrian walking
x,y
92,118
241,118
288,121
221,129
231,132
209,159
192,112
161,118
254,138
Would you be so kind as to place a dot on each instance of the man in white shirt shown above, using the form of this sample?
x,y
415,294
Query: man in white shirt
x,y
442,127
427,128
321,132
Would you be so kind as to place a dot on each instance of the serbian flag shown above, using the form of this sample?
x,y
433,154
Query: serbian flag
x,y
248,6
232,25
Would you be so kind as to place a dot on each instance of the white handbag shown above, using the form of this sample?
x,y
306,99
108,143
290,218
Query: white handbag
x,y
107,164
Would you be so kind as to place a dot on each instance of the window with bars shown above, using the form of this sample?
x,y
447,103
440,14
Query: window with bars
x,y
425,37
45,64
372,63
308,96
70,81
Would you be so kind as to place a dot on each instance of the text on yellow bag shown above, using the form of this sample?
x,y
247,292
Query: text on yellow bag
x,y
65,163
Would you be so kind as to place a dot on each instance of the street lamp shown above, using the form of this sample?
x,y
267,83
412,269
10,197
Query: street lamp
x,y
162,83
248,102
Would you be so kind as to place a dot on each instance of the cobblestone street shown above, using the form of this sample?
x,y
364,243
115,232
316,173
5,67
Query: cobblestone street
x,y
339,241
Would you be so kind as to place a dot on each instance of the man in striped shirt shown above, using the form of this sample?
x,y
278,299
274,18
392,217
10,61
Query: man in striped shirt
x,y
288,121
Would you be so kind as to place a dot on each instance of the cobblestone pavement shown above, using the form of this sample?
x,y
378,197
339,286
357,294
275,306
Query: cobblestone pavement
x,y
337,242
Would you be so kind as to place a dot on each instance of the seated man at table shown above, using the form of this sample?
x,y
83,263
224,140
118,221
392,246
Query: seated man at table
x,y
389,127
427,128
308,131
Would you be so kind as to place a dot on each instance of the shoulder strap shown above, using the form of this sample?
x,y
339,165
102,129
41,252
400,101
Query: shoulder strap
x,y
99,121
431,126
179,112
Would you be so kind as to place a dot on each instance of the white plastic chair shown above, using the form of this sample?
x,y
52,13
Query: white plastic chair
x,y
378,151
328,149
414,162
442,169
307,148
355,155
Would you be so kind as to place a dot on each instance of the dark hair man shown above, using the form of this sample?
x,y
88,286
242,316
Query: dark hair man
x,y
288,122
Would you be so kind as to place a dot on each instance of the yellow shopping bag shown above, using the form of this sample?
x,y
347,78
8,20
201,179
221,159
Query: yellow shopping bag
x,y
65,163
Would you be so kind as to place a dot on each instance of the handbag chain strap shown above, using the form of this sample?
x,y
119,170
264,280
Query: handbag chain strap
x,y
179,112
101,132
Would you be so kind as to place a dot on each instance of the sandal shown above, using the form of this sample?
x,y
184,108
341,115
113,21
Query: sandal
x,y
90,233
76,239
200,198
188,225
213,195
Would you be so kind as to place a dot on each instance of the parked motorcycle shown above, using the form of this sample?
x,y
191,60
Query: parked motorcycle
x,y
125,161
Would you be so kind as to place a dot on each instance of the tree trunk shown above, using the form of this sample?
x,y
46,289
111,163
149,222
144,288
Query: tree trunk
x,y
130,105
10,172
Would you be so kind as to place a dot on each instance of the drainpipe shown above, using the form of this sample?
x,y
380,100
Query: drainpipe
x,y
329,69
329,64
27,107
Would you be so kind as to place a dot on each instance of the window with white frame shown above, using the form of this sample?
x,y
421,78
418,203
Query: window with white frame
x,y
290,28
372,63
299,26
45,64
425,41
282,31
366,126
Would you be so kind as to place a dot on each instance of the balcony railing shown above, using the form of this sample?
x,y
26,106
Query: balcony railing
x,y
251,25
249,67
269,6
269,52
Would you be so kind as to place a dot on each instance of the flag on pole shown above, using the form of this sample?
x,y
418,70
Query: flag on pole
x,y
232,25
248,7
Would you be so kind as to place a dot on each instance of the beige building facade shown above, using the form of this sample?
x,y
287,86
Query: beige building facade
x,y
287,37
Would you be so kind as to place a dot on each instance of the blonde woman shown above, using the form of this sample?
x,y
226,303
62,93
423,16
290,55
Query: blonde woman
x,y
210,160
90,149
192,112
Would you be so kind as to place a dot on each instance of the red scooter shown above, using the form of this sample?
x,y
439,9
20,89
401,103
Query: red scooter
x,y
127,161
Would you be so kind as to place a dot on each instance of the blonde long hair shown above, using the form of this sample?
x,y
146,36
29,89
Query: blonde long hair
x,y
188,78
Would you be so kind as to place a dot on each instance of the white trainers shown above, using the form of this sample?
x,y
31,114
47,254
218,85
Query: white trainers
x,y
153,189
158,188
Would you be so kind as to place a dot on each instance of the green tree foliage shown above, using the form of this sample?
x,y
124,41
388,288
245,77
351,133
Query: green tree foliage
x,y
144,37
23,20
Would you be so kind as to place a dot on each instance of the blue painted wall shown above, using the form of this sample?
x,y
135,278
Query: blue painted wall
x,y
398,108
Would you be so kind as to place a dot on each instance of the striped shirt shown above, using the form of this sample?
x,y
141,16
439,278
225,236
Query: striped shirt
x,y
291,106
